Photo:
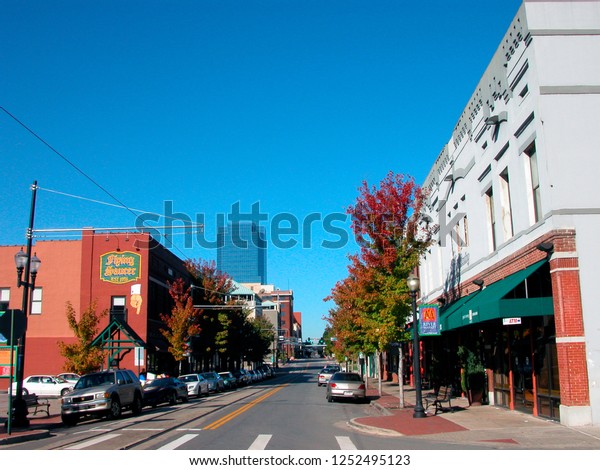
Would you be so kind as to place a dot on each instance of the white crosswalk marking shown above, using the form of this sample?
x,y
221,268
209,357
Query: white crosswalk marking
x,y
345,443
92,442
178,442
260,443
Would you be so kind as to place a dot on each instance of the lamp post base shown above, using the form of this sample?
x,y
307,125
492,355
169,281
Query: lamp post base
x,y
19,415
419,413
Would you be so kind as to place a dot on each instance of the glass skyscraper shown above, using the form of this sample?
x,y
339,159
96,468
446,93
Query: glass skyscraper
x,y
242,252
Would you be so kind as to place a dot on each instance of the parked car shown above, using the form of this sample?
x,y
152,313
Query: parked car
x,y
267,370
254,377
242,377
229,380
196,385
215,381
70,377
44,385
325,375
105,393
165,390
346,385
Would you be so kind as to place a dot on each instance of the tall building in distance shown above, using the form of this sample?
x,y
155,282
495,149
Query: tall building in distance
x,y
242,252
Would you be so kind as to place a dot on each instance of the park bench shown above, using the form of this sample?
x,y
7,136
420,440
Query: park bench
x,y
36,404
438,398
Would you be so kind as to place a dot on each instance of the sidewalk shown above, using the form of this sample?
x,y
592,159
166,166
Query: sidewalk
x,y
40,425
498,428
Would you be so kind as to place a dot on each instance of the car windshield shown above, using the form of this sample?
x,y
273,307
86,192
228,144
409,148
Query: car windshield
x,y
208,375
158,383
60,380
188,378
95,380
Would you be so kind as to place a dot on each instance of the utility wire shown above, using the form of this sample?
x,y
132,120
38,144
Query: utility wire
x,y
79,170
130,209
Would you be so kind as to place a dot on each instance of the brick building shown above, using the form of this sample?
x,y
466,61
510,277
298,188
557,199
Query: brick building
x,y
126,274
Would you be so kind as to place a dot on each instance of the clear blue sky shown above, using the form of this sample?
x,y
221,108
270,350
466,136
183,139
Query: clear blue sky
x,y
208,103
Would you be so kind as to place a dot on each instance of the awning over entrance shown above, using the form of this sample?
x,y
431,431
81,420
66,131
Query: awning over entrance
x,y
118,338
490,304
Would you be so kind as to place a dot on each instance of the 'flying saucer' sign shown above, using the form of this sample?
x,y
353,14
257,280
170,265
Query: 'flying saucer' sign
x,y
120,267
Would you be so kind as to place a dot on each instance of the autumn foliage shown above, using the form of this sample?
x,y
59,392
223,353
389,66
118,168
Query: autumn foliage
x,y
372,302
81,357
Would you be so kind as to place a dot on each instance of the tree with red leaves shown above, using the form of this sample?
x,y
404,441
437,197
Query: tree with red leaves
x,y
372,303
182,323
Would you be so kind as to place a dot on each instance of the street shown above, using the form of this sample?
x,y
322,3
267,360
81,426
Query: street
x,y
288,412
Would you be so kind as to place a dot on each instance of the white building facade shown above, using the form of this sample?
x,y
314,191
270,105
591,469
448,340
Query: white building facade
x,y
516,203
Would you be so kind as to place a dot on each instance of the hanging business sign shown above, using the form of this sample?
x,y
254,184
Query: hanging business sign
x,y
511,321
120,267
429,320
7,368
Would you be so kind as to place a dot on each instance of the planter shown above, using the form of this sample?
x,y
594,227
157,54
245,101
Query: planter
x,y
476,389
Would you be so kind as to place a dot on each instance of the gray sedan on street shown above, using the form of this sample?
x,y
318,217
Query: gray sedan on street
x,y
347,385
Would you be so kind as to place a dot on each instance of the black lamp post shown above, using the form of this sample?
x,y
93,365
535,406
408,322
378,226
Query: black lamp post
x,y
413,287
24,262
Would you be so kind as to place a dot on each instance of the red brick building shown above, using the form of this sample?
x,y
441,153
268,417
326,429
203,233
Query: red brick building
x,y
124,273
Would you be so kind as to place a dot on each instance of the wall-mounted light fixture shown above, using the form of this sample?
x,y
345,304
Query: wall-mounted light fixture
x,y
546,247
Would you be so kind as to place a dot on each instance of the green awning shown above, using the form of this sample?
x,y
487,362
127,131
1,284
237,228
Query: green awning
x,y
490,304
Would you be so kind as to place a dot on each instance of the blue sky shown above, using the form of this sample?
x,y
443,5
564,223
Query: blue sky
x,y
287,103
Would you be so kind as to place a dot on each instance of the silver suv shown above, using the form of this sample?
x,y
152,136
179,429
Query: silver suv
x,y
105,393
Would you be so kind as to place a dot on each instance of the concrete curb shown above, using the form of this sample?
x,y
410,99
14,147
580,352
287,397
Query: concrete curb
x,y
24,437
372,429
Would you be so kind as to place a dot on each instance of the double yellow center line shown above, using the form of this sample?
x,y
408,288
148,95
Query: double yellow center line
x,y
221,421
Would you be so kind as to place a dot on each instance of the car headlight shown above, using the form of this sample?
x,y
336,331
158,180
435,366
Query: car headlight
x,y
65,400
100,395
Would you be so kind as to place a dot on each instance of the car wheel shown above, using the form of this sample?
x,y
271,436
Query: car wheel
x,y
329,398
185,399
69,420
136,407
173,398
64,391
115,408
25,391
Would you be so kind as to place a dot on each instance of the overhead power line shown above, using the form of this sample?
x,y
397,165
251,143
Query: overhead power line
x,y
75,167
69,162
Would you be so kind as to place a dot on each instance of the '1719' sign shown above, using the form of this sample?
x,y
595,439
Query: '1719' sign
x,y
120,267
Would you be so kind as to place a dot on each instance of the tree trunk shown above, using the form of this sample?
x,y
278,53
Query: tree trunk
x,y
401,376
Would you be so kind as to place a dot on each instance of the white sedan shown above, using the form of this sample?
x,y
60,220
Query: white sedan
x,y
69,377
44,385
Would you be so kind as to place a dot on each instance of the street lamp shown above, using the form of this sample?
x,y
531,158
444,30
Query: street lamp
x,y
24,262
31,266
413,287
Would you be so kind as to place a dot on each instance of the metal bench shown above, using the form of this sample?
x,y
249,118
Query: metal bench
x,y
436,399
38,405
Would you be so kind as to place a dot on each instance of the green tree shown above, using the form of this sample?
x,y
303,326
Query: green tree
x,y
81,357
372,304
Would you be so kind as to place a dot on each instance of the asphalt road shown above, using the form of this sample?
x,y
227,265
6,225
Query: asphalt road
x,y
288,412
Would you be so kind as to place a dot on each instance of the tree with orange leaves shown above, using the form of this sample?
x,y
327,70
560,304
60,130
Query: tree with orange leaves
x,y
372,303
182,323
